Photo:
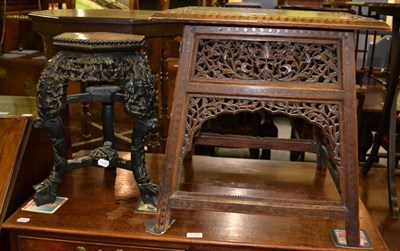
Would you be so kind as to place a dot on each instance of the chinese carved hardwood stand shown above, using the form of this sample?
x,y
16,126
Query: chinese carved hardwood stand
x,y
278,61
114,69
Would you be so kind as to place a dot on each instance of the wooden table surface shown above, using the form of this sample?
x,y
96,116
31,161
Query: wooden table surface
x,y
101,206
22,163
11,131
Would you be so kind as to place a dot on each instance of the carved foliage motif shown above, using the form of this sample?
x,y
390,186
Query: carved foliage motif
x,y
267,60
326,116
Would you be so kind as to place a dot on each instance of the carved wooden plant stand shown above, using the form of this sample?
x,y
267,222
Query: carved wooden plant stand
x,y
114,69
273,60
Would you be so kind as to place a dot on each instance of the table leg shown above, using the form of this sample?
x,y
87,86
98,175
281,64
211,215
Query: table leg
x,y
391,161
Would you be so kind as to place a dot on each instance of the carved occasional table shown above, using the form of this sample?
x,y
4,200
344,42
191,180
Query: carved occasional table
x,y
115,70
295,63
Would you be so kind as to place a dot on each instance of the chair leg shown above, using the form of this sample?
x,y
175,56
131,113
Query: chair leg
x,y
391,162
108,122
391,96
297,131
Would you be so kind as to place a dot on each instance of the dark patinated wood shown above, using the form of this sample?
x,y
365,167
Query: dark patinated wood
x,y
114,70
296,63
99,212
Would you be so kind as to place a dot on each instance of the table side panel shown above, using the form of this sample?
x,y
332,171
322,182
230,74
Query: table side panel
x,y
242,62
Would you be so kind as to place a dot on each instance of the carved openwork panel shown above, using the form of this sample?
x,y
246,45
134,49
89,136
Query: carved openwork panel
x,y
267,60
324,115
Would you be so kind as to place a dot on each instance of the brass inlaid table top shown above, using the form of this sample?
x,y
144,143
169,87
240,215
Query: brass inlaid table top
x,y
269,17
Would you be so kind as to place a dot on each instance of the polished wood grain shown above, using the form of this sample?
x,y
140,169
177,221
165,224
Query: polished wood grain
x,y
99,213
12,131
24,160
11,142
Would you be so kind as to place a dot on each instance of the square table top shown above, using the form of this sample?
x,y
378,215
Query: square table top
x,y
284,18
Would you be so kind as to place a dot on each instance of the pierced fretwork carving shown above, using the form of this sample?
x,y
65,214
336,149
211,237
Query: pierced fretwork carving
x,y
324,115
267,60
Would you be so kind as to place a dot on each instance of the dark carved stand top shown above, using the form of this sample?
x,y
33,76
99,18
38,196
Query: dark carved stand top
x,y
98,41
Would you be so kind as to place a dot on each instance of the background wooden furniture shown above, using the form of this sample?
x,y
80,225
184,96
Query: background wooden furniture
x,y
18,82
22,162
15,25
307,3
387,124
220,72
165,4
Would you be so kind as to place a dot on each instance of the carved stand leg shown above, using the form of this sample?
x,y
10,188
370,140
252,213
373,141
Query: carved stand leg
x,y
51,103
148,190
140,102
